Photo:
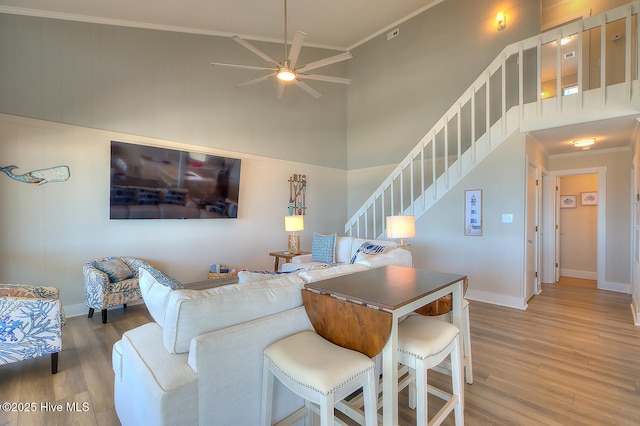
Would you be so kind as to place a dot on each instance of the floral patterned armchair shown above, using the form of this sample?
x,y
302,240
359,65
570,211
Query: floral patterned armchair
x,y
31,320
111,281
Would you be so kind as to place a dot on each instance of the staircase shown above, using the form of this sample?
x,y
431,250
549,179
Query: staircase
x,y
532,85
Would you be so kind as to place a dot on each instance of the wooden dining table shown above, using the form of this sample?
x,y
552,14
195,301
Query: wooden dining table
x,y
361,311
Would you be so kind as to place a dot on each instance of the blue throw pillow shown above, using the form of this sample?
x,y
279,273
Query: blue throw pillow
x,y
323,248
115,269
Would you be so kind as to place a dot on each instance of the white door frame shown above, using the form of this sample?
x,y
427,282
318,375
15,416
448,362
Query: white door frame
x,y
535,243
549,211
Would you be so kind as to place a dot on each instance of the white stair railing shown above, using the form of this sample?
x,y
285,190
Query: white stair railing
x,y
515,92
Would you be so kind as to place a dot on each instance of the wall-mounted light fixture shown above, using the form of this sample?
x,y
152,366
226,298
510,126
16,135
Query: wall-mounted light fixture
x,y
584,143
501,20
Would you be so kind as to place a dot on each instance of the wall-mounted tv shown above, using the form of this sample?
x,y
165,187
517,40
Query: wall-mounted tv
x,y
149,182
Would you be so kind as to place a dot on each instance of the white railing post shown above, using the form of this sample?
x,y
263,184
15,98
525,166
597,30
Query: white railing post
x,y
503,111
603,57
559,71
627,52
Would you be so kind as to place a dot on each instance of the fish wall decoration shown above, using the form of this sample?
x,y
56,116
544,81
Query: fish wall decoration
x,y
39,177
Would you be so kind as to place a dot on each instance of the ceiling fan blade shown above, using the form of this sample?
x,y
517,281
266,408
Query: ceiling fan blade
x,y
255,80
280,89
249,46
328,78
324,62
244,67
296,45
307,88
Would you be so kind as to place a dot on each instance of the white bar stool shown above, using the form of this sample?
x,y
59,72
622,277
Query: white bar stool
x,y
423,343
320,372
433,310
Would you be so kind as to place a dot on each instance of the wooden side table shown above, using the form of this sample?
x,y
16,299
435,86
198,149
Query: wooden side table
x,y
284,255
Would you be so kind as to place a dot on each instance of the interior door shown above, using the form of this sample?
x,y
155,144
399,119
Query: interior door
x,y
531,280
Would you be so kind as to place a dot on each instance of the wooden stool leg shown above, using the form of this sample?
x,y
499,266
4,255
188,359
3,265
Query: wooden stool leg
x,y
457,382
371,398
267,394
422,410
466,343
54,362
326,411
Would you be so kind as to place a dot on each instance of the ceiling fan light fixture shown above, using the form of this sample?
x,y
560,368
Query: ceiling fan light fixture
x,y
582,143
285,74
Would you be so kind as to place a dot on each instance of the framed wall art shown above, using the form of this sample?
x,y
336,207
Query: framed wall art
x,y
589,198
473,212
567,201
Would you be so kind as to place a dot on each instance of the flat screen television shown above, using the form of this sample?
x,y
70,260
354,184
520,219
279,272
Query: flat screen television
x,y
149,182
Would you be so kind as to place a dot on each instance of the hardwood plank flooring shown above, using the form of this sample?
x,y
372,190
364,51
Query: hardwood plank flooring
x,y
571,358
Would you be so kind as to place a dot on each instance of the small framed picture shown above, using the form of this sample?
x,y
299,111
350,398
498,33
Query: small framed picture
x,y
589,198
567,201
473,212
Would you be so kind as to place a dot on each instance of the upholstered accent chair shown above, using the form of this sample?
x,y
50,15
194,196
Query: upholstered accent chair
x,y
111,281
31,320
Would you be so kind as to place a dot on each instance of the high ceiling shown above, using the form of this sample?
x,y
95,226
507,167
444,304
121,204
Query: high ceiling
x,y
339,24
336,24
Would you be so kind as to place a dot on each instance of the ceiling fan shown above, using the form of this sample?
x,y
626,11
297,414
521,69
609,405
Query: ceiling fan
x,y
286,70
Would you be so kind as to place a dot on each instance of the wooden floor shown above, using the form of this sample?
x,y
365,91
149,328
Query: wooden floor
x,y
571,358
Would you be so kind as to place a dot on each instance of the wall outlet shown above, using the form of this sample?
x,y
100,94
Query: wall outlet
x,y
507,218
393,33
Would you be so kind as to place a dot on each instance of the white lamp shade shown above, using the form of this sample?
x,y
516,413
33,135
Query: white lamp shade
x,y
294,223
401,227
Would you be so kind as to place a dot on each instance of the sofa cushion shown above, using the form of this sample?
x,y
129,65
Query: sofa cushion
x,y
324,273
253,276
323,248
155,295
194,312
164,385
368,249
115,269
396,256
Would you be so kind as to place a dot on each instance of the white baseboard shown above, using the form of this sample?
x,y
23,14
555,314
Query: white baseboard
x,y
585,275
636,316
617,287
496,299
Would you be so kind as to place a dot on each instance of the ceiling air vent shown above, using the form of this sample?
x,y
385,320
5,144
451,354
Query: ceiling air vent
x,y
570,55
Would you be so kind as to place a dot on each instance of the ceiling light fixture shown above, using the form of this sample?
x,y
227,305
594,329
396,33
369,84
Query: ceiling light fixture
x,y
582,143
286,73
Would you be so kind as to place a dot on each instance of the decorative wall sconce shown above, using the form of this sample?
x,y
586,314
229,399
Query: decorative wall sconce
x,y
501,20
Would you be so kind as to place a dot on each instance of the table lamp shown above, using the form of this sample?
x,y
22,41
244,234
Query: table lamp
x,y
401,227
292,224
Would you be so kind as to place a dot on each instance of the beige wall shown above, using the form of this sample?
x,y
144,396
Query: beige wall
x,y
558,12
49,231
494,261
402,87
578,229
160,84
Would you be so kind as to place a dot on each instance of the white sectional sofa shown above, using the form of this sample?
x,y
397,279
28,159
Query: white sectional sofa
x,y
200,361
345,250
